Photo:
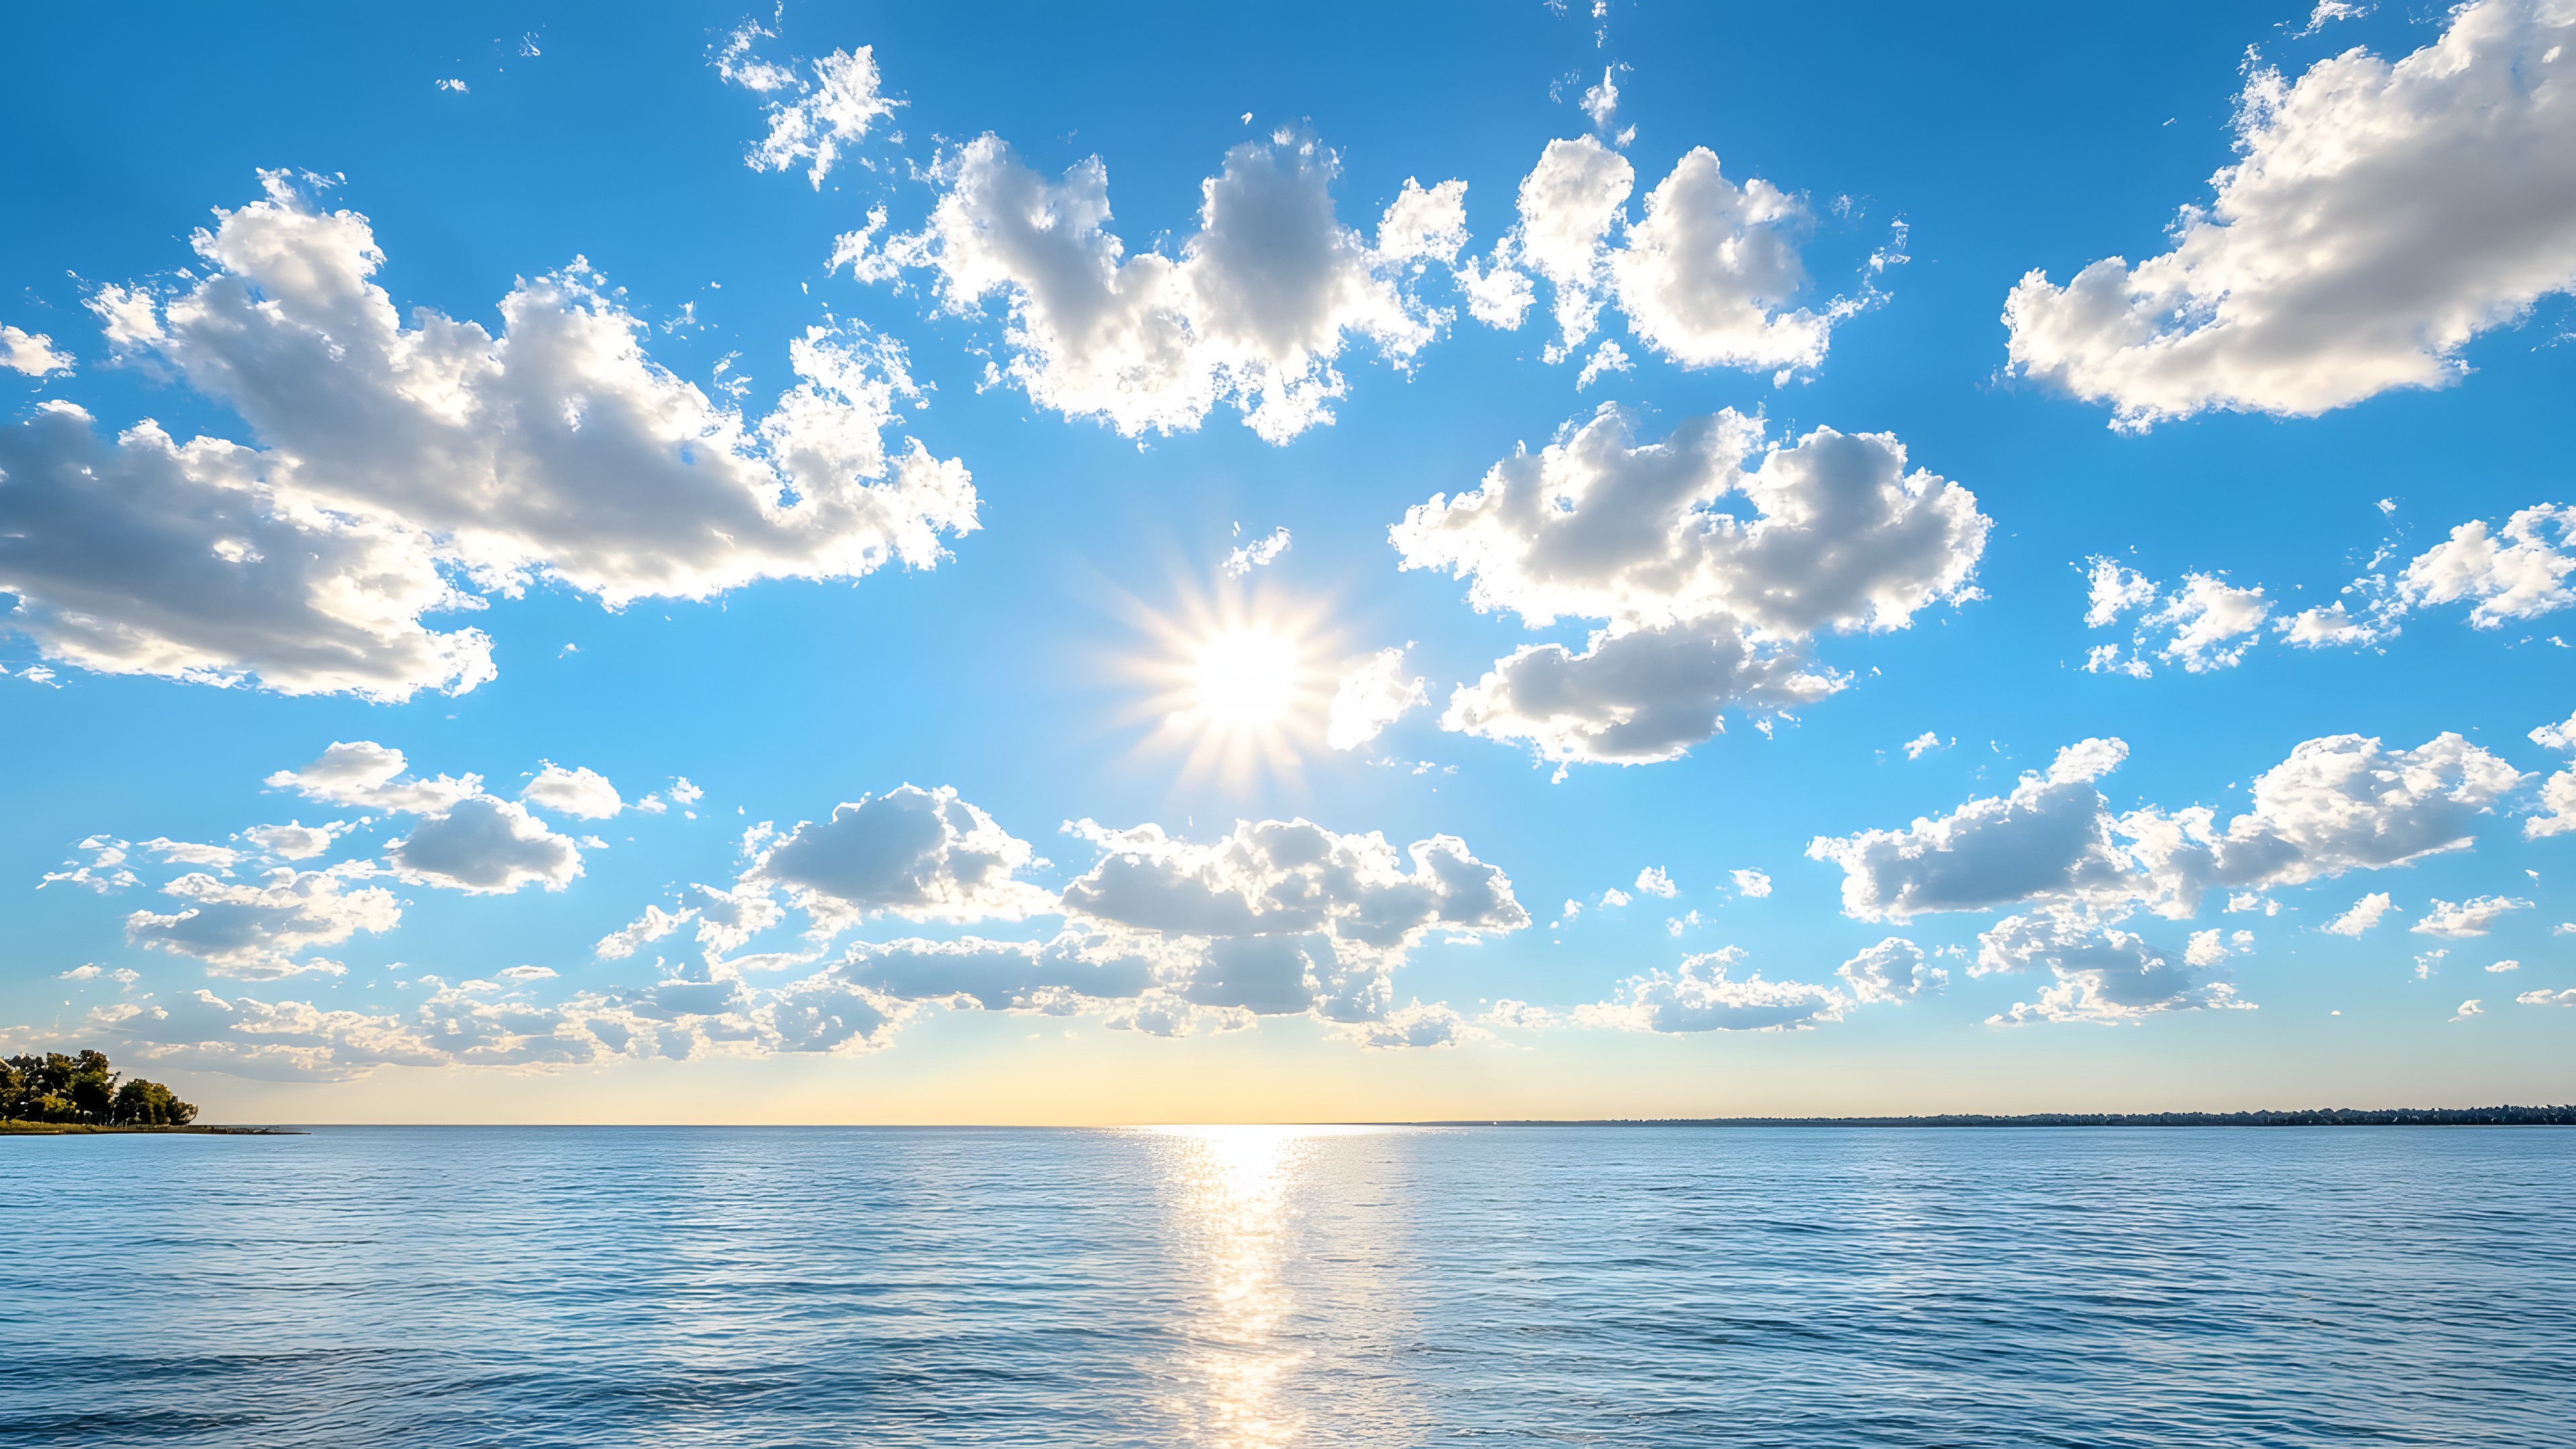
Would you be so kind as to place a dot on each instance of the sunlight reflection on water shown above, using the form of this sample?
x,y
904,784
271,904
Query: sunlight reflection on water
x,y
1230,1191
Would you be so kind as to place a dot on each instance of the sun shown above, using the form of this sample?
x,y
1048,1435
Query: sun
x,y
1245,678
1237,682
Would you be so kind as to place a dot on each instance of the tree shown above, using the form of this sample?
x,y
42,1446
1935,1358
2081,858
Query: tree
x,y
84,1087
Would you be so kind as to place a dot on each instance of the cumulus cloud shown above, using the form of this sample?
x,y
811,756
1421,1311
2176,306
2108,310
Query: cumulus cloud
x,y
371,776
2377,218
1705,277
816,118
295,840
2102,974
254,931
2459,920
2365,913
923,855
1713,558
485,846
581,791
1892,970
31,353
1254,310
2547,998
2558,792
1752,884
653,925
400,465
1369,698
2207,623
1700,995
2337,804
105,870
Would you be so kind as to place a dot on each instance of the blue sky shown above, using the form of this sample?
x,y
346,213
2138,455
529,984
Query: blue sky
x,y
1813,547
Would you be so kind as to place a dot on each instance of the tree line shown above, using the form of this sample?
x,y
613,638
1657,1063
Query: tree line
x,y
85,1088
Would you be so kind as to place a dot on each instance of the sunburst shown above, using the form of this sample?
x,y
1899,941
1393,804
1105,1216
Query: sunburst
x,y
1238,681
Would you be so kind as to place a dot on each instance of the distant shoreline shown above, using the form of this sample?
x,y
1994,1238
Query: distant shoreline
x,y
2312,1117
92,1129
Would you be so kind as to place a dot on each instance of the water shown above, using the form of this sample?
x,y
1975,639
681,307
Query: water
x,y
1261,1286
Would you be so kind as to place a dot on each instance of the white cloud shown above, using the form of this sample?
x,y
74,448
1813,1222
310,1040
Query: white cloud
x,y
2102,974
2547,998
1369,698
2558,792
2377,218
1254,310
684,792
1922,744
2212,623
2337,804
1714,560
371,776
189,852
581,791
1601,102
527,973
1753,884
1700,996
1652,881
1705,277
485,846
2365,913
296,840
255,931
1253,555
145,556
1077,967
653,925
923,855
2472,917
105,870
1286,916
399,463
2469,1008
31,353
2501,967
832,111
2519,571
1614,897
1892,970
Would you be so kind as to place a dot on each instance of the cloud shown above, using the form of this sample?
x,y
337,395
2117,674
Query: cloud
x,y
2472,917
31,353
1892,970
2365,913
296,840
924,855
580,791
2558,792
1254,310
1075,967
1255,554
485,846
1700,996
371,776
1923,744
2212,623
1369,698
189,852
653,925
2336,804
1287,916
146,556
2377,218
825,114
400,464
2547,998
1705,277
2102,974
1713,558
1752,884
105,870
1653,881
2518,571
254,931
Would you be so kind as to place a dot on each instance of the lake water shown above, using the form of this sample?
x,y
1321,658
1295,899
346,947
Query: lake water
x,y
1274,1286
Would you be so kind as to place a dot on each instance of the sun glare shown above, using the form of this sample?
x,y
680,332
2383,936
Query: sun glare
x,y
1244,676
1240,683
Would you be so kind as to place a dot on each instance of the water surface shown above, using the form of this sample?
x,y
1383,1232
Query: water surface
x,y
1276,1286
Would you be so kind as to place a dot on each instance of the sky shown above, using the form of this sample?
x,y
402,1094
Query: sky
x,y
873,564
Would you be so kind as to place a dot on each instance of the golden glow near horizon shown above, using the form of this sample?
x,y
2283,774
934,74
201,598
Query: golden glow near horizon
x,y
1239,683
